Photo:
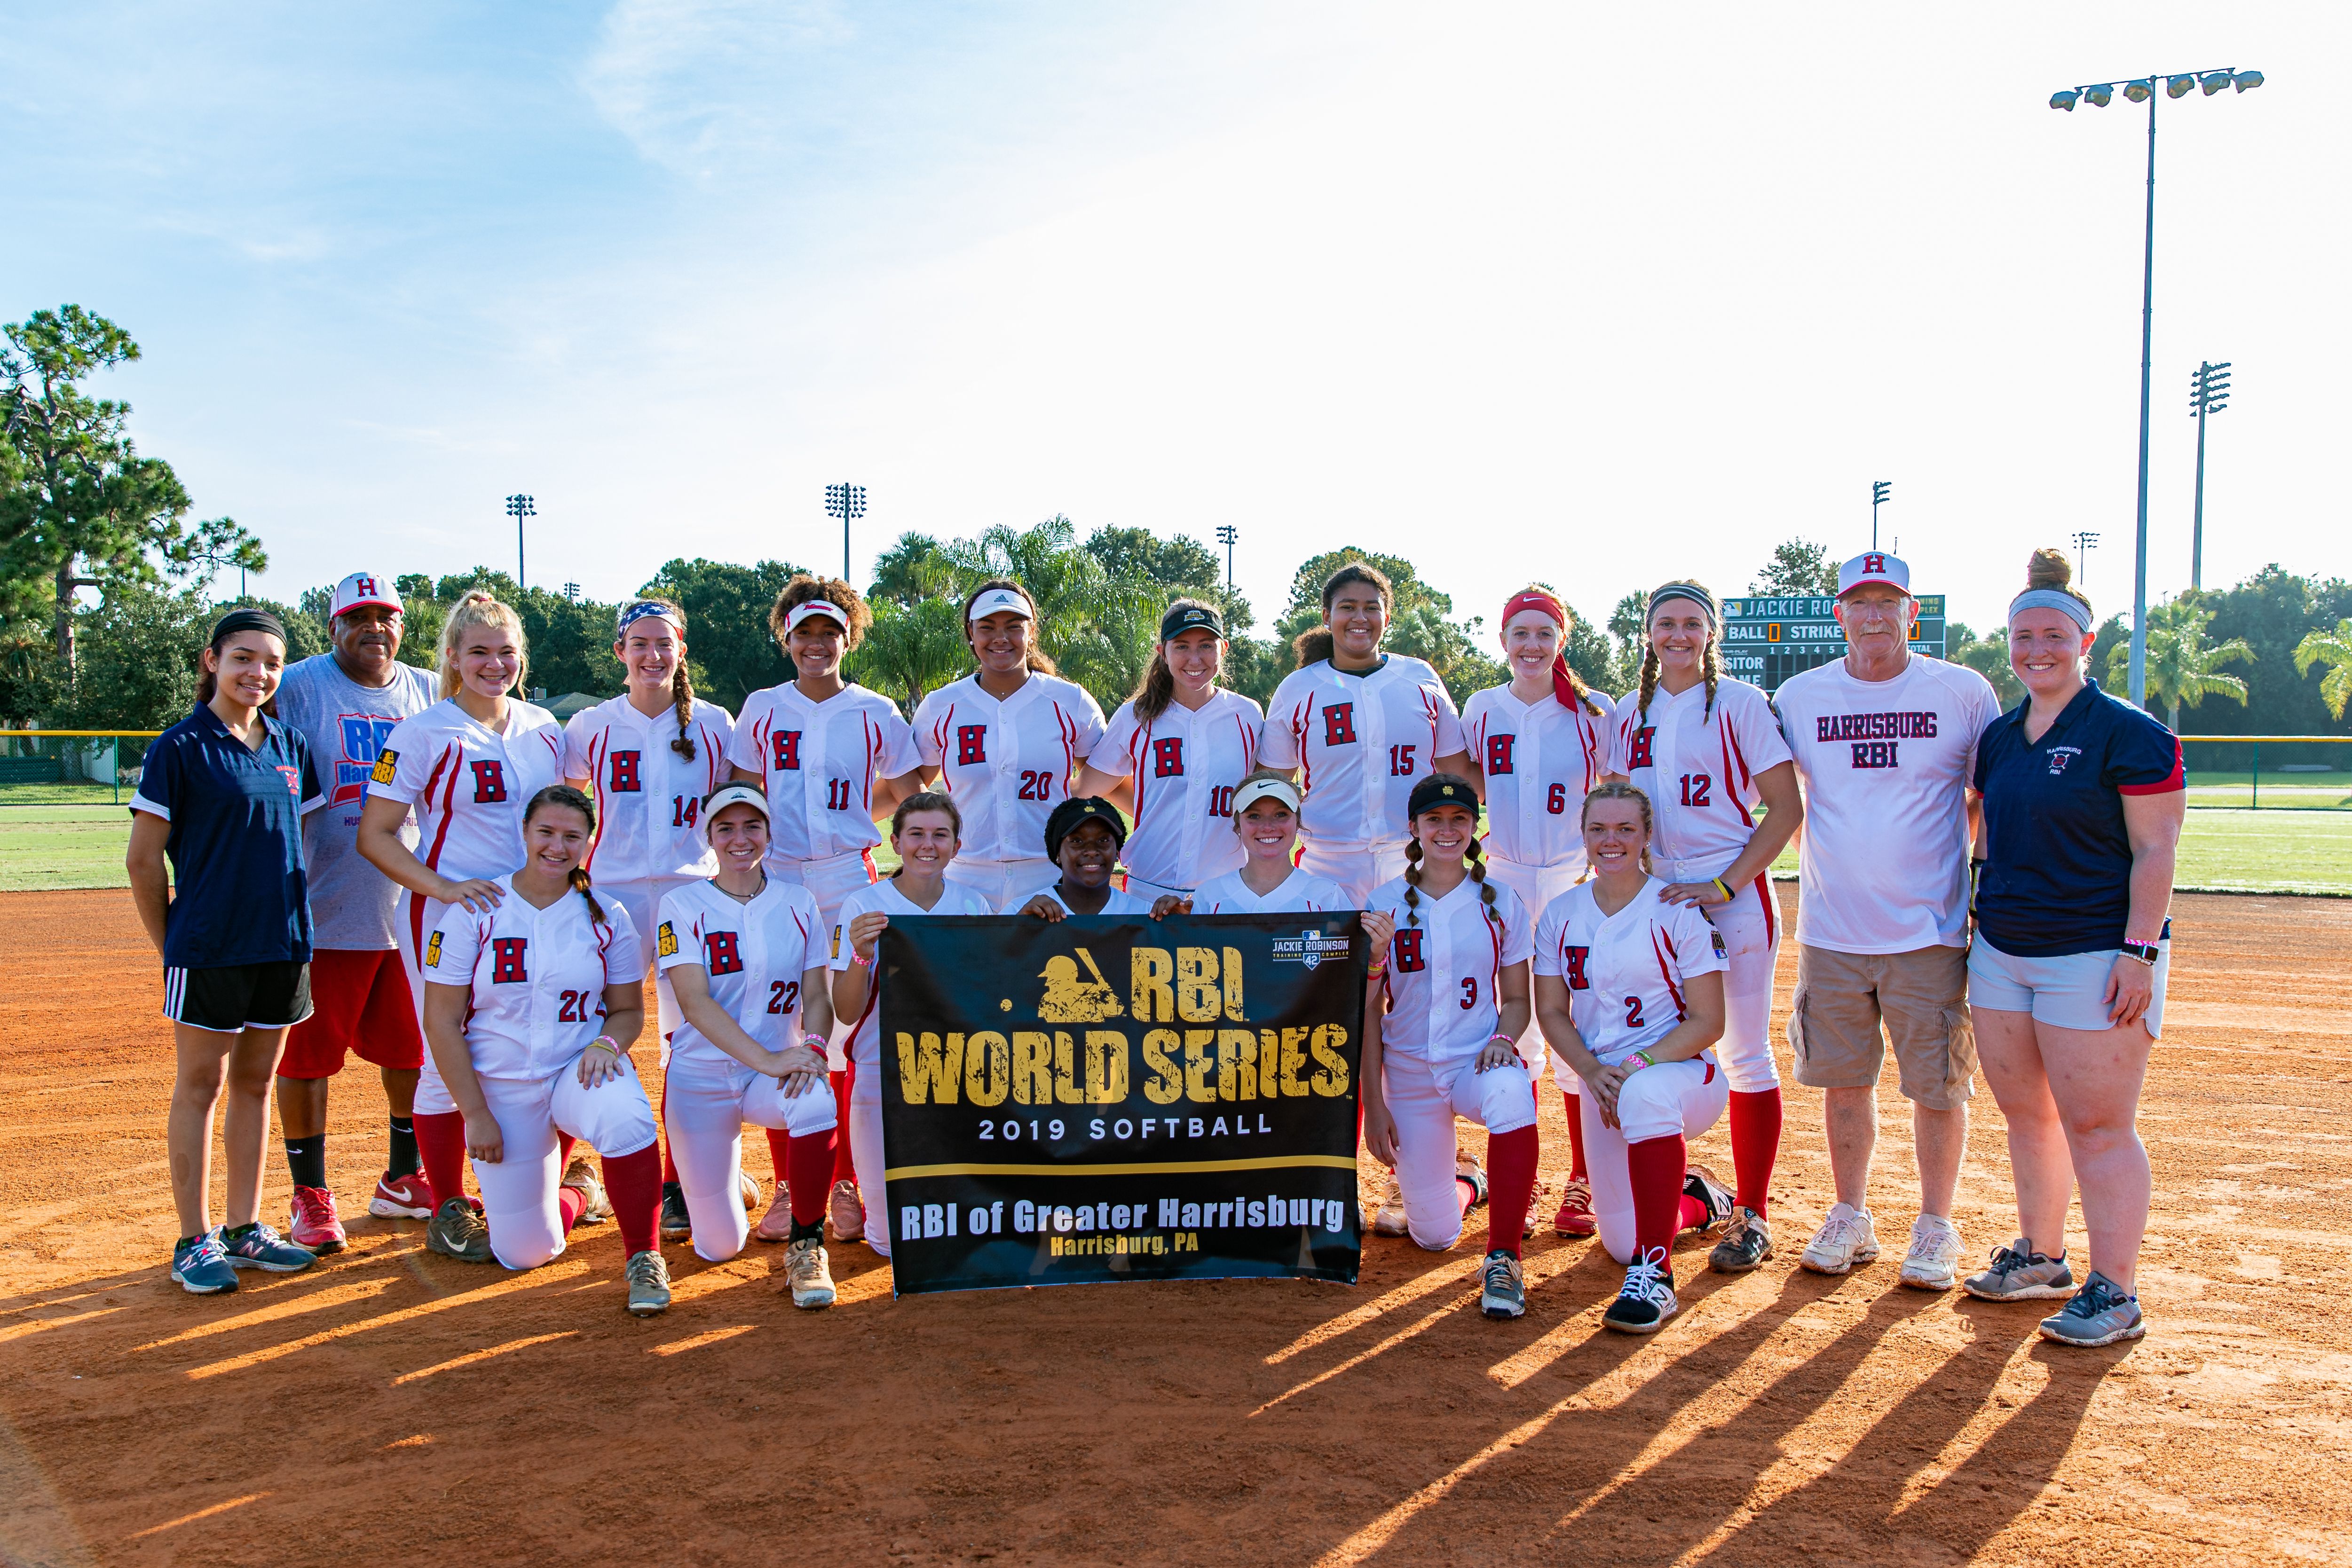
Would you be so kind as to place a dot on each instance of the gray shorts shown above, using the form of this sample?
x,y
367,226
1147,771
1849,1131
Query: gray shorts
x,y
1844,999
2069,992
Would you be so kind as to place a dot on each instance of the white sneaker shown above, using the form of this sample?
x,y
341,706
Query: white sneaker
x,y
1845,1239
1389,1220
1934,1261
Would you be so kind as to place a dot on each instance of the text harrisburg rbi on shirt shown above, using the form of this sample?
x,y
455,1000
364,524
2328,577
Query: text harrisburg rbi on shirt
x,y
1114,1097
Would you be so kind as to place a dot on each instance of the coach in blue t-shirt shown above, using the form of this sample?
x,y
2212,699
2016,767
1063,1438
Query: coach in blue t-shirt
x,y
2083,806
221,795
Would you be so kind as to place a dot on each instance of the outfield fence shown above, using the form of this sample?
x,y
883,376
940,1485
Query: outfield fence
x,y
2225,772
70,767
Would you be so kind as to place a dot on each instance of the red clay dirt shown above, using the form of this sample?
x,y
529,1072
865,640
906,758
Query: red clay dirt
x,y
393,1406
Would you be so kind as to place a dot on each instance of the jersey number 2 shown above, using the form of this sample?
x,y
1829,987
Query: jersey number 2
x,y
575,1006
1633,1012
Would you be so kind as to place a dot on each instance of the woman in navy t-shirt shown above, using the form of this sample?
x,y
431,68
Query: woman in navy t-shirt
x,y
2082,805
221,795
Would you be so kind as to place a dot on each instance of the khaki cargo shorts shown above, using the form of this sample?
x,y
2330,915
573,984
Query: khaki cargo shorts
x,y
1921,997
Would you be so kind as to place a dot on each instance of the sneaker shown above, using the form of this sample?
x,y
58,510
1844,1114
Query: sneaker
x,y
2099,1314
1575,1215
1466,1169
2019,1274
648,1279
200,1267
1846,1238
458,1230
313,1224
809,1273
776,1225
848,1209
1506,1292
1700,1182
1745,1246
581,1177
749,1189
1389,1219
259,1247
675,1224
1933,1264
402,1197
1647,1298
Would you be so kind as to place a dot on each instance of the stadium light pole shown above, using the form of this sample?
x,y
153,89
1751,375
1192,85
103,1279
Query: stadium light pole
x,y
518,507
846,502
2209,392
1226,535
2083,545
2142,90
1879,490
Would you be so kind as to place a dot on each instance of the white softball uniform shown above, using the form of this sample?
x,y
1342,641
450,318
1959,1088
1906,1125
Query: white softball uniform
x,y
1297,894
467,785
1884,863
1540,760
1362,741
1119,902
1185,766
1625,974
1008,764
866,1041
754,956
649,811
1699,767
536,980
1442,988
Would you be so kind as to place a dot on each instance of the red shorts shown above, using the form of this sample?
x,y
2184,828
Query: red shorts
x,y
361,1005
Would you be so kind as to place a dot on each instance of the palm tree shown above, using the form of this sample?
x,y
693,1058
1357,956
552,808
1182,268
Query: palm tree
x,y
2333,649
911,650
2182,667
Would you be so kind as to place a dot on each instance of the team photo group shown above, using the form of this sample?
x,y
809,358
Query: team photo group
x,y
1558,890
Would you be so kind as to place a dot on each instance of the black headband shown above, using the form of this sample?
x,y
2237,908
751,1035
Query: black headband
x,y
1183,618
247,619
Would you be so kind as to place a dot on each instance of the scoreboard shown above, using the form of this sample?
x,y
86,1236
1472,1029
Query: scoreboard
x,y
1766,641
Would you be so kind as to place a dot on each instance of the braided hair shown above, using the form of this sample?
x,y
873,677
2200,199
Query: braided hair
x,y
1711,661
565,795
1473,857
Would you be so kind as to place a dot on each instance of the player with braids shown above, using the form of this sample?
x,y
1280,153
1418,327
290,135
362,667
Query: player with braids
x,y
646,758
1706,750
831,755
1450,963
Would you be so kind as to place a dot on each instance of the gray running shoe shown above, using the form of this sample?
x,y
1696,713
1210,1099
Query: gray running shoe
x,y
676,1223
1505,1294
456,1231
648,1279
1745,1246
2019,1274
808,1274
1701,1183
2099,1314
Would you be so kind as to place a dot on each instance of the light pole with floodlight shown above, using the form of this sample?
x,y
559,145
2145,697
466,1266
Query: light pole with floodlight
x,y
1880,489
518,507
1226,535
2083,545
846,502
2209,392
2142,90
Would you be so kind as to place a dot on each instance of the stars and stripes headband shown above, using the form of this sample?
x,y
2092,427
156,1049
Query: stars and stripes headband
x,y
645,608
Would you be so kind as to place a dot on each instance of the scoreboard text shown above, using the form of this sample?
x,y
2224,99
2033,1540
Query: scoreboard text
x,y
1766,641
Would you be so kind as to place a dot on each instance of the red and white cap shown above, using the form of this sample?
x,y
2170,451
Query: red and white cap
x,y
365,588
1875,566
814,610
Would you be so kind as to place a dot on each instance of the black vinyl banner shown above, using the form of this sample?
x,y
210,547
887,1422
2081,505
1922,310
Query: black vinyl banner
x,y
1111,1097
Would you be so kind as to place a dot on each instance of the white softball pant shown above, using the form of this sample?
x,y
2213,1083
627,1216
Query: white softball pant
x,y
642,899
1537,886
519,1191
412,927
1750,924
1007,884
1685,1097
830,879
865,1155
1423,1099
705,1110
1359,868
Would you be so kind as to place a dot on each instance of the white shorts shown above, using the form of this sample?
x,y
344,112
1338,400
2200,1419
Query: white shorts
x,y
1423,1099
2066,992
1537,886
866,1156
642,899
1685,1097
705,1110
830,879
1358,868
519,1193
1007,884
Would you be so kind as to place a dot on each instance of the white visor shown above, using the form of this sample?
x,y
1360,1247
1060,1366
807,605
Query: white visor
x,y
998,601
728,795
825,609
1281,790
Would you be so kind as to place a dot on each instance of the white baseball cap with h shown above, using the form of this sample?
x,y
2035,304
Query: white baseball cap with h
x,y
365,588
1874,566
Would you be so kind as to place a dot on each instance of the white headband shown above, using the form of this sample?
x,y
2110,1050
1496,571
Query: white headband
x,y
1281,790
728,795
826,608
997,601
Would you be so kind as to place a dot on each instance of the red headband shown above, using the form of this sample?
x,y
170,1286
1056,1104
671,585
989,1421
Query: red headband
x,y
1563,687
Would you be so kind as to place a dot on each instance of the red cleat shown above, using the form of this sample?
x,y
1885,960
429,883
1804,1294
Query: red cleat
x,y
315,1227
402,1197
1575,1215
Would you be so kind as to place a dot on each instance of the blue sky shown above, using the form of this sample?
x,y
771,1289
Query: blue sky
x,y
1598,298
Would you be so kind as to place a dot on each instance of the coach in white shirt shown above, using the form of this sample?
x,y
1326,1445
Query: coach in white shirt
x,y
1886,745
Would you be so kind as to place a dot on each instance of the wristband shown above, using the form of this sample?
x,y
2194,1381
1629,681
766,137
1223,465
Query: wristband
x,y
815,1041
2142,953
860,959
1506,1038
1644,1058
1724,888
608,1042
1377,969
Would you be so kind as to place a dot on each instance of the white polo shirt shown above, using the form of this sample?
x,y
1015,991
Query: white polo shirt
x,y
1185,764
1540,759
1699,769
468,784
864,1040
1625,971
1883,864
1363,741
1008,764
536,977
648,798
1444,970
1299,894
755,954
818,761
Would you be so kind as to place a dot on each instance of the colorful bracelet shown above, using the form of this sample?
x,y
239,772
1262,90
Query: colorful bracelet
x,y
860,959
1725,888
1644,1058
608,1042
815,1041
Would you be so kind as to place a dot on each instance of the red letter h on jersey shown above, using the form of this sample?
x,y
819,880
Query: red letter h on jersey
x,y
1339,724
720,955
1638,754
786,744
489,782
1168,758
1408,948
625,772
972,743
506,960
1498,753
1574,957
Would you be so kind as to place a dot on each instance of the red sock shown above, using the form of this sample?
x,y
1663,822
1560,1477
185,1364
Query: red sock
x,y
1755,1143
633,1186
1691,1216
1657,1167
570,1200
843,1170
811,1159
441,1142
565,1143
1510,1188
778,1143
1576,1170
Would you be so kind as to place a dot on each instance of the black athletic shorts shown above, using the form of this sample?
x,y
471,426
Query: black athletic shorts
x,y
238,996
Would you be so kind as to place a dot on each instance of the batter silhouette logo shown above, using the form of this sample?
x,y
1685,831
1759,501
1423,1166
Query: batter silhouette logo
x,y
1068,998
1311,948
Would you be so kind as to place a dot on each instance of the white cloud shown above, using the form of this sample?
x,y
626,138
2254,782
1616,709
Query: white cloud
x,y
698,85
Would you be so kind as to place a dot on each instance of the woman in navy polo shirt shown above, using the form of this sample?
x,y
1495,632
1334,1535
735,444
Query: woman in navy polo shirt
x,y
2083,806
222,795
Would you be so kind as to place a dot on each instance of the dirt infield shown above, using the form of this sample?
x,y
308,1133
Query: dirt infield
x,y
390,1406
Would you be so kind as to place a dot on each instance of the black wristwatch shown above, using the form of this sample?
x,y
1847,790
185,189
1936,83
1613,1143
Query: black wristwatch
x,y
2145,952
